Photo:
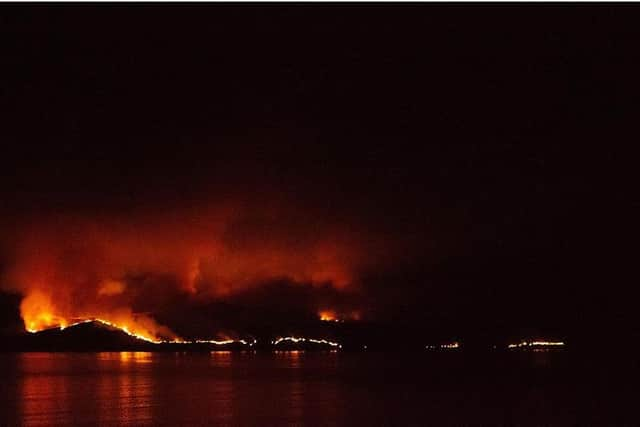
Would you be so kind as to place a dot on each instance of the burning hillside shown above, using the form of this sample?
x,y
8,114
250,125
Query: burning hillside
x,y
123,270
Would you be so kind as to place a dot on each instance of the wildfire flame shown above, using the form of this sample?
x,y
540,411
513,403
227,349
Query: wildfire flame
x,y
328,316
151,339
536,344
70,268
302,340
333,316
39,313
447,346
222,342
126,330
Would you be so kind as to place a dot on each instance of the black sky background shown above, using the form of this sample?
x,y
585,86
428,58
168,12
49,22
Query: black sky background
x,y
498,141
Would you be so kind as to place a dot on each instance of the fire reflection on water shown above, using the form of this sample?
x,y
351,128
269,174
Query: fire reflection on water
x,y
136,357
296,389
44,396
221,358
141,388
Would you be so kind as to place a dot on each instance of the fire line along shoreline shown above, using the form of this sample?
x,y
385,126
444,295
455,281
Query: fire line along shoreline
x,y
99,335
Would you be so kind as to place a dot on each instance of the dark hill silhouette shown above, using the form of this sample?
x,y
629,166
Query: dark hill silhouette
x,y
351,336
89,336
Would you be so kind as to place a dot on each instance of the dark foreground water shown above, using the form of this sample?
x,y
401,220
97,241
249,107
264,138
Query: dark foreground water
x,y
308,388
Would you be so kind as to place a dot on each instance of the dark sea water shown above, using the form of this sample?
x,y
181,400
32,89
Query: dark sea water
x,y
313,388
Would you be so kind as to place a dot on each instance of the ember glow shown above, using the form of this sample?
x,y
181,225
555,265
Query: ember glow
x,y
526,344
222,342
447,346
297,340
328,316
125,329
334,316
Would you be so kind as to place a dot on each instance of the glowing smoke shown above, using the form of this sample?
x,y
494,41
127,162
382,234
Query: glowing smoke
x,y
123,268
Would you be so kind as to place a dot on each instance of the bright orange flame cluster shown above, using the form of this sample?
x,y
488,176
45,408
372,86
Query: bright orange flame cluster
x,y
328,316
71,268
332,316
152,340
39,313
125,329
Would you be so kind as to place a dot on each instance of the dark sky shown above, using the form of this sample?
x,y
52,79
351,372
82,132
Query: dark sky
x,y
477,163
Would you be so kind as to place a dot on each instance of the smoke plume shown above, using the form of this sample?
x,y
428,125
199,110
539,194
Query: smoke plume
x,y
123,267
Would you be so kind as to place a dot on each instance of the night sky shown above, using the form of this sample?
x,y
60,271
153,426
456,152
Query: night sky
x,y
465,168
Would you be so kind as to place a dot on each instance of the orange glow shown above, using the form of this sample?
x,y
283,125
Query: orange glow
x,y
303,340
38,313
132,329
328,316
333,316
142,334
222,342
541,343
70,269
447,346
135,356
111,287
